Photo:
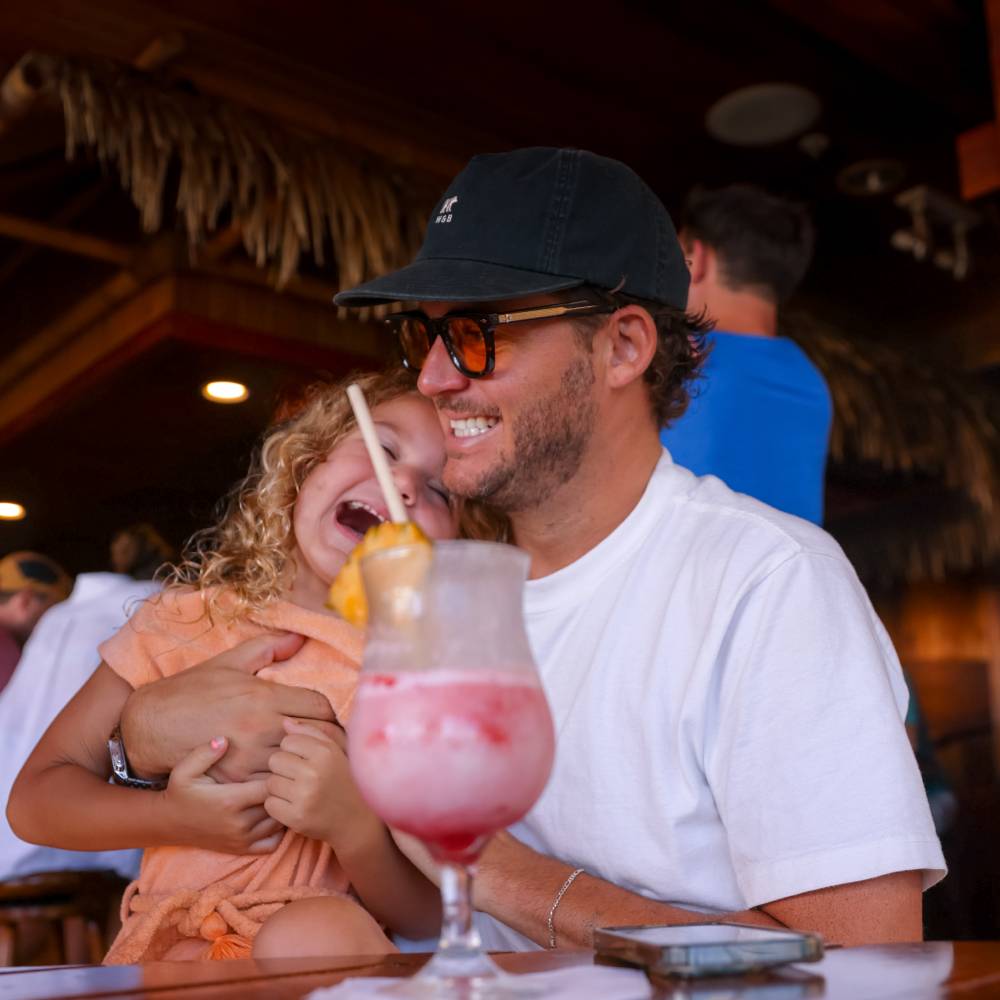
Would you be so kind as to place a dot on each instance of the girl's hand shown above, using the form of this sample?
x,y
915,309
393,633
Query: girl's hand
x,y
227,817
311,790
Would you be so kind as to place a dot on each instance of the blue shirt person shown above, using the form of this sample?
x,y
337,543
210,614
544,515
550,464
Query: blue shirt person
x,y
760,421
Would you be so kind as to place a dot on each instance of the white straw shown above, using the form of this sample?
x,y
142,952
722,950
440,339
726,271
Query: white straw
x,y
376,453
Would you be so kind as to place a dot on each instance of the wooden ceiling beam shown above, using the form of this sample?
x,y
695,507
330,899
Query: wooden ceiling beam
x,y
259,321
918,43
64,215
50,338
303,312
978,149
160,51
299,286
318,118
978,153
993,39
219,244
67,240
34,391
162,256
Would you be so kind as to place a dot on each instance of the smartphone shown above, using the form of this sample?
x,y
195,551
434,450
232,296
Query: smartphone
x,y
692,950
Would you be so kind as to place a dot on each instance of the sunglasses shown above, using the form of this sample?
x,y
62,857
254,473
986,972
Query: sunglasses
x,y
469,335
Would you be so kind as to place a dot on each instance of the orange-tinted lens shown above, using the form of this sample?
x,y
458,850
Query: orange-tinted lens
x,y
469,343
414,340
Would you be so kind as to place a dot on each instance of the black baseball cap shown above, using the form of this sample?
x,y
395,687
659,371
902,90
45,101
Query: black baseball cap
x,y
539,220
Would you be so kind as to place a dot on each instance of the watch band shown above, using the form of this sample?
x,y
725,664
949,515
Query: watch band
x,y
120,773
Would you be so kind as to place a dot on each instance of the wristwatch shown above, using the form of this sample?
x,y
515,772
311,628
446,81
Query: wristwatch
x,y
120,773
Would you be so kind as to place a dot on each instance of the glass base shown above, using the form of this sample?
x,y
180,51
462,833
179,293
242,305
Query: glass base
x,y
457,974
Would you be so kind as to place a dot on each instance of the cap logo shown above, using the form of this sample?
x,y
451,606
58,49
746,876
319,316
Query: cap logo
x,y
444,215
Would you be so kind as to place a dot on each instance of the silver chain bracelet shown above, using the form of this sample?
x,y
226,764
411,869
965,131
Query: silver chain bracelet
x,y
555,904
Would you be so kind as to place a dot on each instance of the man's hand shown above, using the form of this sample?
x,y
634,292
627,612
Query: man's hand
x,y
311,789
229,817
164,721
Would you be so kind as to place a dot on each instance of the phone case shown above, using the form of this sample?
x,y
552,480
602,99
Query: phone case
x,y
693,950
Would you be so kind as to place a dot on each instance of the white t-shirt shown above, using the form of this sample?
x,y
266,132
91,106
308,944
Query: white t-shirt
x,y
728,709
58,658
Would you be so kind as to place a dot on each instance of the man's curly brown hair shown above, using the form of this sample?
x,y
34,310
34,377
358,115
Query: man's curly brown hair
x,y
680,348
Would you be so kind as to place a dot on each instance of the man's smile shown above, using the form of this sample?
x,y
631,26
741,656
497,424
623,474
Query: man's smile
x,y
466,427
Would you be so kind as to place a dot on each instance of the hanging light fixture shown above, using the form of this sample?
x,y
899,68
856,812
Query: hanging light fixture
x,y
938,230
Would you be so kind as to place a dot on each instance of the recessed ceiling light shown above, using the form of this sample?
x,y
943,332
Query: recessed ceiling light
x,y
225,392
870,177
10,511
763,115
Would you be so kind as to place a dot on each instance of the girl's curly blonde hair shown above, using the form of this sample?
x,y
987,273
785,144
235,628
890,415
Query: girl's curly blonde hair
x,y
248,552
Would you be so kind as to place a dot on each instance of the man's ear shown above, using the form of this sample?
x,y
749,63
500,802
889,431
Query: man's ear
x,y
630,345
698,257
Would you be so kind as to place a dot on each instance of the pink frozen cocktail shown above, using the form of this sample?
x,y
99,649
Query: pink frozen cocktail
x,y
451,756
450,738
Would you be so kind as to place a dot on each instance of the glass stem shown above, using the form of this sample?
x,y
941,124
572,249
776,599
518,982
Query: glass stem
x,y
458,934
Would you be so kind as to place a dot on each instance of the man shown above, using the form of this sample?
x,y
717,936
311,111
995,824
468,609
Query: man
x,y
139,550
30,584
728,707
760,420
60,655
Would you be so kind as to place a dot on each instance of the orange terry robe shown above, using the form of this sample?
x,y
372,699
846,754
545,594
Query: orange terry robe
x,y
188,892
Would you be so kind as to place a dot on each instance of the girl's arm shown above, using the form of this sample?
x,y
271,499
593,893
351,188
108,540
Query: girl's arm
x,y
311,791
62,797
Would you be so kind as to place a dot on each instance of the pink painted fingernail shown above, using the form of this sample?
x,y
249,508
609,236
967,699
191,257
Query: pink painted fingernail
x,y
218,742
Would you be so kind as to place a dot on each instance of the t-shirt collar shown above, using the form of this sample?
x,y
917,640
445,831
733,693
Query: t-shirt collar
x,y
587,571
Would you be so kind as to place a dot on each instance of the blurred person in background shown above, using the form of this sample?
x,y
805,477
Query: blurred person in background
x,y
30,584
60,655
139,551
760,419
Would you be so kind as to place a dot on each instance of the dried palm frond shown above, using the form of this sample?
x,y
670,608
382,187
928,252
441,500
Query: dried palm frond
x,y
933,427
289,194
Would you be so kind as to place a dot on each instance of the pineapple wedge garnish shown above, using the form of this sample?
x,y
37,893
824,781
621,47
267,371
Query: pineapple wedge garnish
x,y
347,592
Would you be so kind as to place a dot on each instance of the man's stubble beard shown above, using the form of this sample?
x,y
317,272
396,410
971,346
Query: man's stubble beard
x,y
550,439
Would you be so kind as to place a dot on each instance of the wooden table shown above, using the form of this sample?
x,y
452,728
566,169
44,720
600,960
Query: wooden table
x,y
967,969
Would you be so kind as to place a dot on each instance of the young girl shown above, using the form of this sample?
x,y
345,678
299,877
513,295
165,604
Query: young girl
x,y
330,874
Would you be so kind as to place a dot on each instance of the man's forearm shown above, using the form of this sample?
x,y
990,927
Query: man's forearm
x,y
518,886
149,756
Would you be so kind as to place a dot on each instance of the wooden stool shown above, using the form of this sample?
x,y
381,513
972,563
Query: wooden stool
x,y
80,906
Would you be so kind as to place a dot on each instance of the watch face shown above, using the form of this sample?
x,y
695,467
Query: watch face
x,y
119,767
117,758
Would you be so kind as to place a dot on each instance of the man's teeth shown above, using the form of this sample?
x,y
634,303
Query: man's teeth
x,y
471,426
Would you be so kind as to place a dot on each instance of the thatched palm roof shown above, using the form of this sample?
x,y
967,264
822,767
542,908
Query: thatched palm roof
x,y
930,430
290,194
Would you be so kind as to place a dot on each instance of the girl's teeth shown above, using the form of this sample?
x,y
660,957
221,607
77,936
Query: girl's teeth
x,y
471,426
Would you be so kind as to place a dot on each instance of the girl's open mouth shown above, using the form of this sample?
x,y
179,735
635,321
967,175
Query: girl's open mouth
x,y
357,516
